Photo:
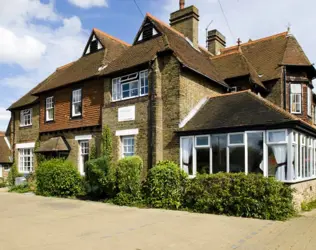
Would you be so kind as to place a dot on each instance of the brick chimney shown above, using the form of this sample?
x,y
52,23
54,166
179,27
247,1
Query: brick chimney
x,y
186,21
215,42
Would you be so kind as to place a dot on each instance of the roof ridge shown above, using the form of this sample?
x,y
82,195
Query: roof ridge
x,y
65,66
229,94
112,37
226,54
257,40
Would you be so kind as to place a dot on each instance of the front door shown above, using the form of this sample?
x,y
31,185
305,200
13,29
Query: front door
x,y
83,155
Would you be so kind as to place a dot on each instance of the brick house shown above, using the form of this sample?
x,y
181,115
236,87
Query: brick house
x,y
5,155
246,108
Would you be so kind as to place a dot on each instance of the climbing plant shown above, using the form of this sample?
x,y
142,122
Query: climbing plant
x,y
106,143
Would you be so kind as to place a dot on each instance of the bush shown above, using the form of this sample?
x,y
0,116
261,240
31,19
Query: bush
x,y
100,179
58,177
13,174
308,206
2,183
243,195
23,188
165,186
128,180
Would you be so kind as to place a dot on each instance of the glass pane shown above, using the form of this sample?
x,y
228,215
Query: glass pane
x,y
277,136
203,160
277,156
236,138
255,152
236,159
187,161
219,144
202,141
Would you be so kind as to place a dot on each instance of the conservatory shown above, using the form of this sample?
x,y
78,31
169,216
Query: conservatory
x,y
286,154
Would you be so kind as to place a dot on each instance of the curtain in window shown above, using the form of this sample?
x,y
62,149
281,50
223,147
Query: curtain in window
x,y
187,146
279,152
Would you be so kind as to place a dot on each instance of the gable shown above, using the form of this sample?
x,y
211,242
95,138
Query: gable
x,y
93,45
147,31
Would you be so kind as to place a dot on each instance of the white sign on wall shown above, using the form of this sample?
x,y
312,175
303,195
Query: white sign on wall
x,y
126,114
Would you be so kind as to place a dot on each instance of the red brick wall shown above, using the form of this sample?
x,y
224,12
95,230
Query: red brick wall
x,y
92,102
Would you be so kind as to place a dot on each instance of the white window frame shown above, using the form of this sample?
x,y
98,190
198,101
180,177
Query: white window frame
x,y
128,137
76,100
119,82
82,147
291,99
309,101
236,144
278,130
193,155
130,89
22,160
23,116
49,107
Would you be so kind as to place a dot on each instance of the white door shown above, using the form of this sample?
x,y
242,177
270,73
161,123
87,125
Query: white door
x,y
1,169
83,155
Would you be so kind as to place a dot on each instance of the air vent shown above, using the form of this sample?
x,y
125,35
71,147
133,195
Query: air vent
x,y
93,46
148,31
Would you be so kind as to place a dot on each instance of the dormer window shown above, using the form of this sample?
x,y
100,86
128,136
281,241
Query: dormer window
x,y
148,31
296,98
94,45
130,86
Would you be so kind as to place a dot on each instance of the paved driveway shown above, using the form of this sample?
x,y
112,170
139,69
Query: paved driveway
x,y
37,223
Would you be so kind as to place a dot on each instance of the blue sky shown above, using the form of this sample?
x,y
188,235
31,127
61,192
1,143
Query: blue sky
x,y
36,36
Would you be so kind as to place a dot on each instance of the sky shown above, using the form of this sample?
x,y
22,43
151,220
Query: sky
x,y
37,36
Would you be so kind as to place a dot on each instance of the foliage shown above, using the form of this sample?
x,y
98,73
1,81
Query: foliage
x,y
243,195
14,173
39,157
23,188
31,181
2,183
93,152
57,177
128,180
165,186
106,143
100,178
308,206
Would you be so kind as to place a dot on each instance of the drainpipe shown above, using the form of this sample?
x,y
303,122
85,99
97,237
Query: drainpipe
x,y
284,87
151,116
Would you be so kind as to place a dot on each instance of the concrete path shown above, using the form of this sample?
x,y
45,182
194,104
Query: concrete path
x,y
38,223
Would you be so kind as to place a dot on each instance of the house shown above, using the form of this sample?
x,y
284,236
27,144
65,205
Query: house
x,y
245,108
5,155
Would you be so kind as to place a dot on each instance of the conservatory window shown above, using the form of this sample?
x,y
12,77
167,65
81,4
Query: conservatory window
x,y
187,154
236,153
219,153
255,152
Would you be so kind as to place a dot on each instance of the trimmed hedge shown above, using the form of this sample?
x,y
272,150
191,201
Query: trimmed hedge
x,y
165,186
57,177
100,178
128,180
242,195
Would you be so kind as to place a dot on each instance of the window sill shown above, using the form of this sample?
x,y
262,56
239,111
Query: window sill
x,y
25,126
50,121
77,117
129,98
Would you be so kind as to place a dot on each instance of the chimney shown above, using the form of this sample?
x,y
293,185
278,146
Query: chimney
x,y
216,41
186,21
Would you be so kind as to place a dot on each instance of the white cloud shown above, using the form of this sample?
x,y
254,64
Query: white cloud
x,y
25,50
4,114
89,3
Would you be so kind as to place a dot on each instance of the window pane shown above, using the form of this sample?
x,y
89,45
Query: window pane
x,y
236,139
296,88
277,136
277,155
203,160
187,147
255,152
219,144
236,159
202,141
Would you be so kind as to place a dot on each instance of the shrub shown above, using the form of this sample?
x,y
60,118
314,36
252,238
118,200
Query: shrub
x,y
100,179
2,183
106,143
165,185
240,195
128,180
57,177
308,206
13,174
23,188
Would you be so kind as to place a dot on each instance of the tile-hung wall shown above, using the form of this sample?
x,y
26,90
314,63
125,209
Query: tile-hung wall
x,y
286,154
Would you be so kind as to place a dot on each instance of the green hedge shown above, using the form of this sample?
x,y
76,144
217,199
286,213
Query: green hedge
x,y
128,180
100,178
243,195
165,186
58,177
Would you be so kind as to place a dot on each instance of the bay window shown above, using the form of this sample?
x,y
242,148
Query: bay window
x,y
296,98
130,86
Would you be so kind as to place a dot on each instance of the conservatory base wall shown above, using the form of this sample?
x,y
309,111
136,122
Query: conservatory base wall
x,y
305,192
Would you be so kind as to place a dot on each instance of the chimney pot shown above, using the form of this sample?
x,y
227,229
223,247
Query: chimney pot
x,y
182,3
216,41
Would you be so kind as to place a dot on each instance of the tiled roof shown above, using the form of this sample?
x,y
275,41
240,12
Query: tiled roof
x,y
55,144
5,152
234,110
